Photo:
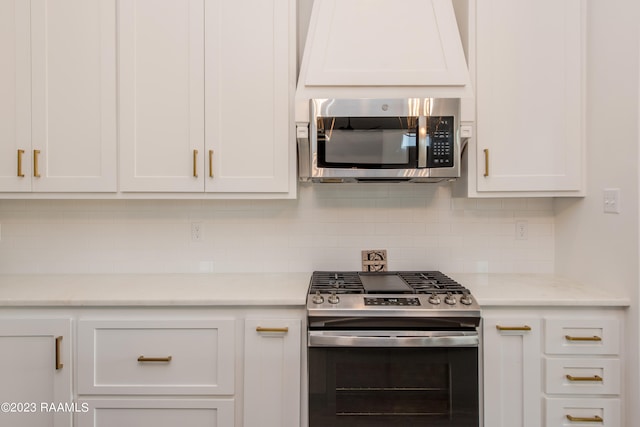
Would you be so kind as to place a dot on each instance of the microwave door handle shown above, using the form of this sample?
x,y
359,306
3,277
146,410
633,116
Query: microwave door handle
x,y
422,141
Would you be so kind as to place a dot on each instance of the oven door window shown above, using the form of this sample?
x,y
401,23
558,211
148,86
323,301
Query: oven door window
x,y
367,142
371,387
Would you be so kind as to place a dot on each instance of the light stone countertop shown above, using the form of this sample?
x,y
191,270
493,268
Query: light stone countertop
x,y
251,289
270,289
536,290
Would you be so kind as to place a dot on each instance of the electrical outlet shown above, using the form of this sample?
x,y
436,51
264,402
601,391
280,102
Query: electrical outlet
x,y
522,230
611,200
196,232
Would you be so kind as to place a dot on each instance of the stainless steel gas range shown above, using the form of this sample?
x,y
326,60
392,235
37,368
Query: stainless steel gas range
x,y
392,348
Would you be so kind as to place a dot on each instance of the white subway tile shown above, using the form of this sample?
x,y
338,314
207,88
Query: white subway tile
x,y
421,226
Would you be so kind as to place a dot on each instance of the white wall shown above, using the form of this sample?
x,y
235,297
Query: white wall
x,y
421,226
593,247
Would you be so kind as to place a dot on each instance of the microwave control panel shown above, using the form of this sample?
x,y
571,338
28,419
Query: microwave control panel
x,y
441,141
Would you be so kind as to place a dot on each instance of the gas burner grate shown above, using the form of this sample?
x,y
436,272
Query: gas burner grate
x,y
422,282
426,282
341,283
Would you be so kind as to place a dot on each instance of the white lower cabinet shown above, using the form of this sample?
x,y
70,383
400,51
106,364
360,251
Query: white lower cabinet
x,y
576,375
35,367
511,370
272,373
121,362
582,412
552,367
157,413
169,357
582,367
222,367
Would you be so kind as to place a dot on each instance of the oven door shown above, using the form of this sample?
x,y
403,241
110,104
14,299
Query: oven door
x,y
393,378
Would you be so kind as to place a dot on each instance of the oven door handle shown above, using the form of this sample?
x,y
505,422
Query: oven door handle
x,y
391,339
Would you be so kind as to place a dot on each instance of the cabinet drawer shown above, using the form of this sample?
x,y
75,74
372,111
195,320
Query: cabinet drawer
x,y
582,376
156,413
582,336
583,412
156,357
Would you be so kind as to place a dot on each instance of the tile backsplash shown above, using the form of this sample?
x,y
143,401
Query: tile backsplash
x,y
420,226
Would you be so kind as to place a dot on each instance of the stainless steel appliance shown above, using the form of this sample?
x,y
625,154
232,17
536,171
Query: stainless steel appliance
x,y
397,140
392,349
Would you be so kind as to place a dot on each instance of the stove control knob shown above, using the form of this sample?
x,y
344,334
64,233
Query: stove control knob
x,y
317,298
333,298
466,299
434,299
450,299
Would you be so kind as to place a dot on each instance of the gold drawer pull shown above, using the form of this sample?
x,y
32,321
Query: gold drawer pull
x,y
593,378
595,419
486,162
36,172
210,163
279,330
195,163
154,359
513,328
570,338
20,154
59,364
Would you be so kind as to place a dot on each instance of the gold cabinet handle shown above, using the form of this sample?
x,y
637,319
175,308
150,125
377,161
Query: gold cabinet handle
x,y
36,172
513,328
594,338
210,163
595,419
593,378
20,154
59,364
154,359
278,330
486,162
195,163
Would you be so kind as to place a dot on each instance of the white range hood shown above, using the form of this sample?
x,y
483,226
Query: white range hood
x,y
382,49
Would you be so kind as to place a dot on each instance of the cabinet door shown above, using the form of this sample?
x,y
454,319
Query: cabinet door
x,y
73,95
161,95
35,367
15,96
529,92
512,359
272,373
250,63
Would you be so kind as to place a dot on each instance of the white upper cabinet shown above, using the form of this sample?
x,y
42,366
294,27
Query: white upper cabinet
x,y
529,80
250,78
161,95
175,98
15,98
205,94
58,131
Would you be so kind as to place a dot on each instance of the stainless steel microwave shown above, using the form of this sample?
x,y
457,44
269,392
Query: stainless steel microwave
x,y
371,140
